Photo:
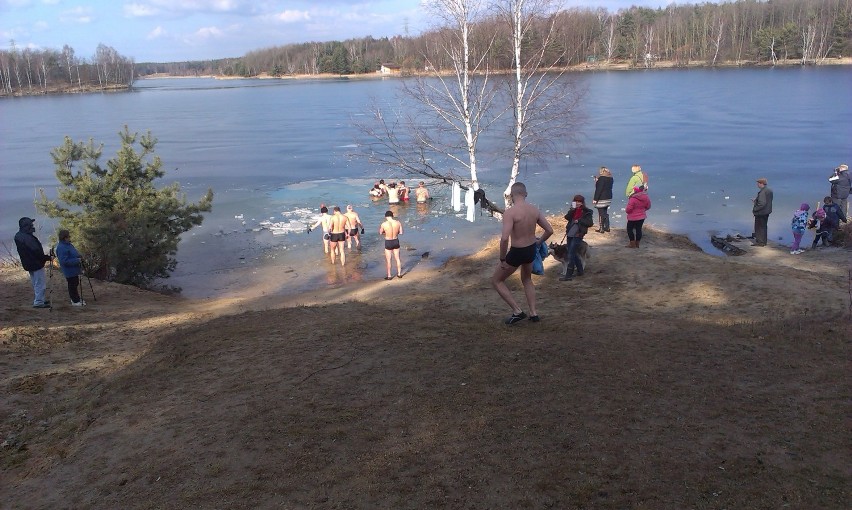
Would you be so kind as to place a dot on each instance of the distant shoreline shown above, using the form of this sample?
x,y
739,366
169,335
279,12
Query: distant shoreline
x,y
585,67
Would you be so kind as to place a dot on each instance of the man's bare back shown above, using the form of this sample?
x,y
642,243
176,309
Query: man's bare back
x,y
339,223
519,224
391,229
521,219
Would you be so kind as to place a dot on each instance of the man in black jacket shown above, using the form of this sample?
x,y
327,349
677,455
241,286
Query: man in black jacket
x,y
841,185
33,259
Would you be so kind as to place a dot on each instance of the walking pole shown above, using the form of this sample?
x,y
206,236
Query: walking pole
x,y
86,272
50,279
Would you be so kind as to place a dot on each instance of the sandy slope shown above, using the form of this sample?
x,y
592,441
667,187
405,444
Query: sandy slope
x,y
664,378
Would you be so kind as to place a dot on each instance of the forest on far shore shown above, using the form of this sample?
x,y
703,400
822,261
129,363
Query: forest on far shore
x,y
745,32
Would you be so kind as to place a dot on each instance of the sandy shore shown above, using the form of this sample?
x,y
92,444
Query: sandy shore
x,y
663,378
595,66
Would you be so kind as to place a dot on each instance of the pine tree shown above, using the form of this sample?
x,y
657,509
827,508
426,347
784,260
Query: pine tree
x,y
127,229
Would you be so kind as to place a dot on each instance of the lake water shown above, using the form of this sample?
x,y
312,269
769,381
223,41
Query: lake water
x,y
274,150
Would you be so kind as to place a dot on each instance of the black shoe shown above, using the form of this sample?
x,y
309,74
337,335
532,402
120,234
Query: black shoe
x,y
535,318
516,317
43,305
566,278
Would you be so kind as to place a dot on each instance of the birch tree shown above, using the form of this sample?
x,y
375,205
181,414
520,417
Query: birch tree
x,y
445,112
544,102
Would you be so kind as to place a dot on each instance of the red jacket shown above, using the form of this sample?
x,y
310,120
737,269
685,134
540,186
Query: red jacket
x,y
637,204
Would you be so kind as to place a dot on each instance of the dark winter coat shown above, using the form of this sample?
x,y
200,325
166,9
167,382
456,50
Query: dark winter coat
x,y
603,188
585,222
763,202
833,215
30,249
841,186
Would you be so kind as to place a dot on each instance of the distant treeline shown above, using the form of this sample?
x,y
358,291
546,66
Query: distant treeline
x,y
742,32
29,71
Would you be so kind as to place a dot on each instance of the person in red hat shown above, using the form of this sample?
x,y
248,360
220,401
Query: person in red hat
x,y
580,220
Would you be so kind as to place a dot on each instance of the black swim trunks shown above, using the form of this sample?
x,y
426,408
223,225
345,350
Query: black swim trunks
x,y
326,236
519,256
340,236
353,231
391,244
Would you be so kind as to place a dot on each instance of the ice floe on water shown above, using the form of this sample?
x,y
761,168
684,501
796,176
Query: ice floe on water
x,y
295,221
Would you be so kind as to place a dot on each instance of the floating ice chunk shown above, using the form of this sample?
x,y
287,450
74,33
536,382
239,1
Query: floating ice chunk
x,y
675,210
727,198
238,217
672,196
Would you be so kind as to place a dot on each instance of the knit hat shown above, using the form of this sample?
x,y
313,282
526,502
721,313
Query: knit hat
x,y
579,198
805,207
25,222
819,214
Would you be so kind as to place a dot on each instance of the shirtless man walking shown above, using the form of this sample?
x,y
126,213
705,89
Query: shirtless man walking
x,y
391,229
323,220
354,224
337,231
519,223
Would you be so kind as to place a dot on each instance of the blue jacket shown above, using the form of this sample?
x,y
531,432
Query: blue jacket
x,y
69,259
538,262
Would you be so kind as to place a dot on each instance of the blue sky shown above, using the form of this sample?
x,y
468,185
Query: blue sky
x,y
176,30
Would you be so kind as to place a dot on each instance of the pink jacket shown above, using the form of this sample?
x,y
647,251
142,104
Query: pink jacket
x,y
637,204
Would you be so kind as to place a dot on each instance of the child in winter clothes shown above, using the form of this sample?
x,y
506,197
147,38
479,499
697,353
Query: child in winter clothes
x,y
799,224
817,221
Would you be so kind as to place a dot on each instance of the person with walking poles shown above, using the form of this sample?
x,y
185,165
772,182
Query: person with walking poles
x,y
762,208
71,264
519,224
33,259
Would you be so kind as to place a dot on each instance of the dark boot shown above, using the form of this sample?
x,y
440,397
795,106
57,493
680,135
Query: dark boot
x,y
636,244
631,244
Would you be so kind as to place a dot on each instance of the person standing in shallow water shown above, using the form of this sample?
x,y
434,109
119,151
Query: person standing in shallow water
x,y
323,221
761,208
519,224
354,224
338,230
603,198
391,229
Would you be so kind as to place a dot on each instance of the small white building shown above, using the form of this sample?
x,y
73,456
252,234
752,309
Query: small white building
x,y
390,69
